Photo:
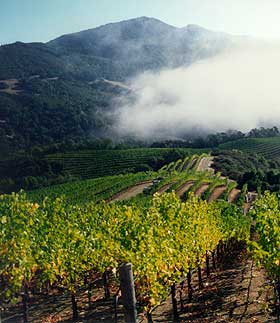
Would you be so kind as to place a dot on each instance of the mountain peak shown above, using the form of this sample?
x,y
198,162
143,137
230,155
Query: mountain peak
x,y
147,43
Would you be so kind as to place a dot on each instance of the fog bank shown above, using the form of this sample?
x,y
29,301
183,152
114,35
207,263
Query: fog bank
x,y
236,90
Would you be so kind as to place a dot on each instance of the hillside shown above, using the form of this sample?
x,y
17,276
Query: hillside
x,y
64,89
209,269
267,147
142,44
29,172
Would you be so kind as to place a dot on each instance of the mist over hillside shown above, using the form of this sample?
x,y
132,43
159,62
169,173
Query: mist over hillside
x,y
237,89
140,79
142,44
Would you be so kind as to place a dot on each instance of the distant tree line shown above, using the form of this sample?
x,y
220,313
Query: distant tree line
x,y
214,140
256,171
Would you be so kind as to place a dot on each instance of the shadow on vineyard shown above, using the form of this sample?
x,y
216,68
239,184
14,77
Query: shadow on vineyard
x,y
237,291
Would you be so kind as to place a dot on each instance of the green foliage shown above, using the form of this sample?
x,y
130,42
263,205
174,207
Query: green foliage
x,y
59,243
242,196
97,163
267,147
41,168
215,182
248,168
91,190
229,188
266,248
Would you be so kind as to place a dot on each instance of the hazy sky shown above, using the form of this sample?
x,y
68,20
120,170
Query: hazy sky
x,y
42,20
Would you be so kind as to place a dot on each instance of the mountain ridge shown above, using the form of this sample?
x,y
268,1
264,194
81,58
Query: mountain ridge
x,y
57,98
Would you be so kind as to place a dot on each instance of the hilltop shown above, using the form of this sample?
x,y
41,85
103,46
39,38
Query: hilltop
x,y
55,91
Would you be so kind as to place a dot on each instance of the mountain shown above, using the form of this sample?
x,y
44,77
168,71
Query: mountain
x,y
114,51
50,92
140,44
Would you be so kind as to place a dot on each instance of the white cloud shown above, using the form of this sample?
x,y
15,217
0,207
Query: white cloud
x,y
236,90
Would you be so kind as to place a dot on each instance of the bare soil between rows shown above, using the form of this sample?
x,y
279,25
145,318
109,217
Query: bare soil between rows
x,y
233,195
130,192
238,292
184,188
203,187
217,192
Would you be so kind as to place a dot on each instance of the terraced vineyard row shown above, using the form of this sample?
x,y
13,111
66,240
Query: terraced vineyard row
x,y
180,176
187,164
268,147
91,190
104,188
185,179
97,163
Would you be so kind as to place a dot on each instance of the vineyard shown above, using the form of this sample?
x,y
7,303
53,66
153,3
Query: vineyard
x,y
268,147
180,176
92,189
60,246
176,234
98,163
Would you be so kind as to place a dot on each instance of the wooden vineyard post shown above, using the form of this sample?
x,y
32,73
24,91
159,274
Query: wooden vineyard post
x,y
128,293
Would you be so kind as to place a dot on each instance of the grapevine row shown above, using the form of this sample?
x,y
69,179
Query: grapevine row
x,y
65,245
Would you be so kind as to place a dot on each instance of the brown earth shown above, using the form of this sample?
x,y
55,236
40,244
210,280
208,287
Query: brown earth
x,y
217,192
233,195
55,307
131,191
201,189
184,188
246,207
165,187
238,292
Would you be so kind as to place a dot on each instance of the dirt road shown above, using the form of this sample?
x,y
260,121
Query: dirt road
x,y
205,164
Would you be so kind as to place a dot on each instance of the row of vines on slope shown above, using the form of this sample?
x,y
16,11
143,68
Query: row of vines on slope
x,y
266,245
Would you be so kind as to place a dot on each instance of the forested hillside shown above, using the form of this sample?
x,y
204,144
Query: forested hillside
x,y
63,89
